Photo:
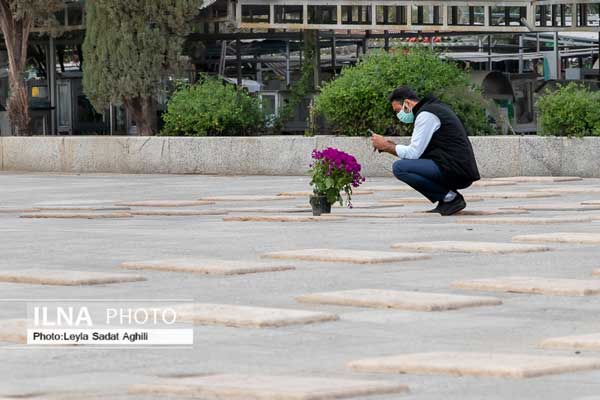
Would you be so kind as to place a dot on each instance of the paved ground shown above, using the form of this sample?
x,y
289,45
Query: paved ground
x,y
321,349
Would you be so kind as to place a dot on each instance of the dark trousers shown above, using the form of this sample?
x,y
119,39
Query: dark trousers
x,y
422,175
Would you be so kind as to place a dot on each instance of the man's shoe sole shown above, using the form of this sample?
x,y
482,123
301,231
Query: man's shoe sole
x,y
458,207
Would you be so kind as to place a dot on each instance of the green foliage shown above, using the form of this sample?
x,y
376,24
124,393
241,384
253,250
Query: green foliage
x,y
131,46
571,110
40,12
470,106
212,108
358,99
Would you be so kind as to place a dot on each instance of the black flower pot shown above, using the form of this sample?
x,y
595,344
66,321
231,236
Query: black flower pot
x,y
320,205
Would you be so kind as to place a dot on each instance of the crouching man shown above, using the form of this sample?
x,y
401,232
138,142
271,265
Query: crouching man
x,y
439,159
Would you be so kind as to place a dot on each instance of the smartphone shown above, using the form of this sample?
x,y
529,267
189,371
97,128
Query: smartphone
x,y
373,133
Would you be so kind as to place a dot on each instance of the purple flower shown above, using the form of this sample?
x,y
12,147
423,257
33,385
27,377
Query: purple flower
x,y
338,163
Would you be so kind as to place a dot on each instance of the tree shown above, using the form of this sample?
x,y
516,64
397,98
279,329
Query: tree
x,y
130,48
17,18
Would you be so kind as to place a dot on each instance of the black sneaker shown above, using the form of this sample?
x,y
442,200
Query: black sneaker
x,y
454,206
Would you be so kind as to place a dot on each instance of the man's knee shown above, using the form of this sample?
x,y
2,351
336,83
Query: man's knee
x,y
399,169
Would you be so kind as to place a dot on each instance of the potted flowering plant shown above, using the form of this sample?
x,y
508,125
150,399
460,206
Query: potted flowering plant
x,y
332,173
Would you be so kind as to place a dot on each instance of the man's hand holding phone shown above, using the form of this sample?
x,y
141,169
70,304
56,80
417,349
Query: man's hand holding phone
x,y
381,144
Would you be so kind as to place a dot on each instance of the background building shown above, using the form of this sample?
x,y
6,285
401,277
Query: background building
x,y
528,45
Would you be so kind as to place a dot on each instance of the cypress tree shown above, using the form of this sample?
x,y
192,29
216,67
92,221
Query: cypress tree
x,y
130,48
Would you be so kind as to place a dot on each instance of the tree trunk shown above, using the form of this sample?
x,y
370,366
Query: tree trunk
x,y
143,112
16,38
18,108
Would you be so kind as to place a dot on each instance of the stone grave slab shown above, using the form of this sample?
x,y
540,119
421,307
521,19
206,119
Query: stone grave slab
x,y
483,213
365,205
166,203
501,365
270,210
591,203
401,300
345,256
17,210
247,198
390,215
584,342
78,202
533,285
205,266
423,200
176,213
391,188
98,215
469,247
248,317
265,387
554,207
70,395
493,183
540,179
65,277
583,189
475,213
559,237
307,193
355,205
282,218
82,208
513,195
525,220
13,331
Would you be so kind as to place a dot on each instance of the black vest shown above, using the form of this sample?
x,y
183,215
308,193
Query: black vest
x,y
450,146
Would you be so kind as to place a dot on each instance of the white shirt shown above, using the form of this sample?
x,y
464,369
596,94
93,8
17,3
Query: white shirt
x,y
426,124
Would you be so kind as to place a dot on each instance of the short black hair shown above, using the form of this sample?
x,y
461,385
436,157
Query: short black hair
x,y
402,93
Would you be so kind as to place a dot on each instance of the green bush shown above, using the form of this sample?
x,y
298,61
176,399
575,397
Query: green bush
x,y
358,98
212,108
571,110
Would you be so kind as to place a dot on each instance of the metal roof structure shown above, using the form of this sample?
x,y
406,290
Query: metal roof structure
x,y
509,16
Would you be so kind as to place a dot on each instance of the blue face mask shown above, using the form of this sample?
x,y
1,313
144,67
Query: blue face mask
x,y
404,117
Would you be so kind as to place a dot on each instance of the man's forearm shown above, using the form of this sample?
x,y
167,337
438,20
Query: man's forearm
x,y
390,148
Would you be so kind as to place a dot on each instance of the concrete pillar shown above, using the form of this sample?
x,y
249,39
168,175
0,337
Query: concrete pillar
x,y
238,52
287,62
557,55
386,40
111,119
333,55
490,65
305,14
317,59
521,62
52,84
259,71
